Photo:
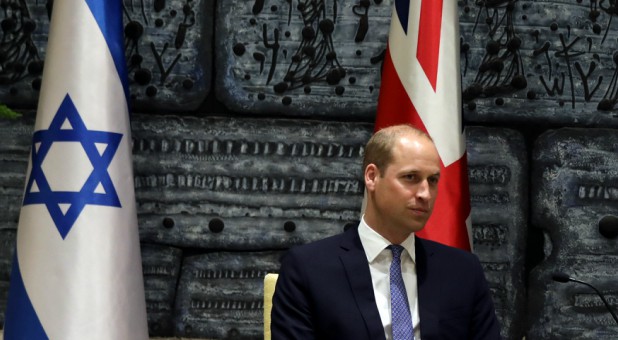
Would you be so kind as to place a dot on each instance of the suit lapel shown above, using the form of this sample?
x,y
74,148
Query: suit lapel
x,y
426,290
354,261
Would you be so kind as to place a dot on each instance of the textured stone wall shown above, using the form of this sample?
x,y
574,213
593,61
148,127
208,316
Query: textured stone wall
x,y
575,181
248,128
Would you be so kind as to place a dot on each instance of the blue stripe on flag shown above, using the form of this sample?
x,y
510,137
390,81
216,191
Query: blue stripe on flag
x,y
403,10
108,14
21,321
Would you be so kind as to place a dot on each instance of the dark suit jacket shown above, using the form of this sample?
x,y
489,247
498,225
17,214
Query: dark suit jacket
x,y
324,291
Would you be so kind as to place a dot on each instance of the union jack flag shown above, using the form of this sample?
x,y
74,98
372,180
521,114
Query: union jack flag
x,y
421,85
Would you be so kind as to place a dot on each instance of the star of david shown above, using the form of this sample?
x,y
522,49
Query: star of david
x,y
100,147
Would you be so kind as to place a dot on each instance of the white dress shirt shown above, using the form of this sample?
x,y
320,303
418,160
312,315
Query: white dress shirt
x,y
380,259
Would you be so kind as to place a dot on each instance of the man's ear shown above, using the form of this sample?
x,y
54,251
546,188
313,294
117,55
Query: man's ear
x,y
371,175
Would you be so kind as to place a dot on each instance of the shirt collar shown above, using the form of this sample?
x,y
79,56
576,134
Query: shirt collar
x,y
374,243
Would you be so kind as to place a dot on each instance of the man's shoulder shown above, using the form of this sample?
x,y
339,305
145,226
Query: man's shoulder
x,y
444,250
330,242
454,261
315,254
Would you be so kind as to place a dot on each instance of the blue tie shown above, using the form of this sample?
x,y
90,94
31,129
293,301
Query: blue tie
x,y
400,309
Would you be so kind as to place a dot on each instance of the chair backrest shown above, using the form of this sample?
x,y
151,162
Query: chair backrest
x,y
270,280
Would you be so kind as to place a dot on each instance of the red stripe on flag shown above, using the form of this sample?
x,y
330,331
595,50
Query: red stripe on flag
x,y
394,105
430,24
447,224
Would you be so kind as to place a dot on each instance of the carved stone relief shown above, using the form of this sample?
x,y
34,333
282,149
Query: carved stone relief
x,y
219,183
168,55
161,269
302,58
220,294
544,61
7,247
498,173
574,185
522,61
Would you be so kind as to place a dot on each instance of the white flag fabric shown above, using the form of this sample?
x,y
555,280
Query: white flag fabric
x,y
77,268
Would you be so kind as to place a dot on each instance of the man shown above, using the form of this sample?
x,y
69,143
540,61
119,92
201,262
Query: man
x,y
340,287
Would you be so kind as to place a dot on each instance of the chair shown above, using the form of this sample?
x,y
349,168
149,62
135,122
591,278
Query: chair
x,y
270,280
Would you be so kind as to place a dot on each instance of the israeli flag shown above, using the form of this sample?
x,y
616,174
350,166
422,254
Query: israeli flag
x,y
77,269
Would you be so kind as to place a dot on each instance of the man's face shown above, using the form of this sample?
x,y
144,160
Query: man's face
x,y
405,192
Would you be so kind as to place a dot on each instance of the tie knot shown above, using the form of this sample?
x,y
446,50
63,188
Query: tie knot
x,y
396,249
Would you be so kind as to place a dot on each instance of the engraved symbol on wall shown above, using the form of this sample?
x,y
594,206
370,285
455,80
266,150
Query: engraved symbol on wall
x,y
309,53
566,62
313,60
19,56
501,71
152,61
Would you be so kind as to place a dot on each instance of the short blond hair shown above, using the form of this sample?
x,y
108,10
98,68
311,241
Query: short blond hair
x,y
379,148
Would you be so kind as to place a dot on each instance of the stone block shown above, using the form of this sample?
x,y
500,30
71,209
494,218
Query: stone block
x,y
7,250
574,185
220,295
16,137
161,269
498,173
303,58
548,61
225,183
168,52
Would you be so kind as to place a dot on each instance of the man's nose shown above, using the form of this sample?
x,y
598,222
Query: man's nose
x,y
423,191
